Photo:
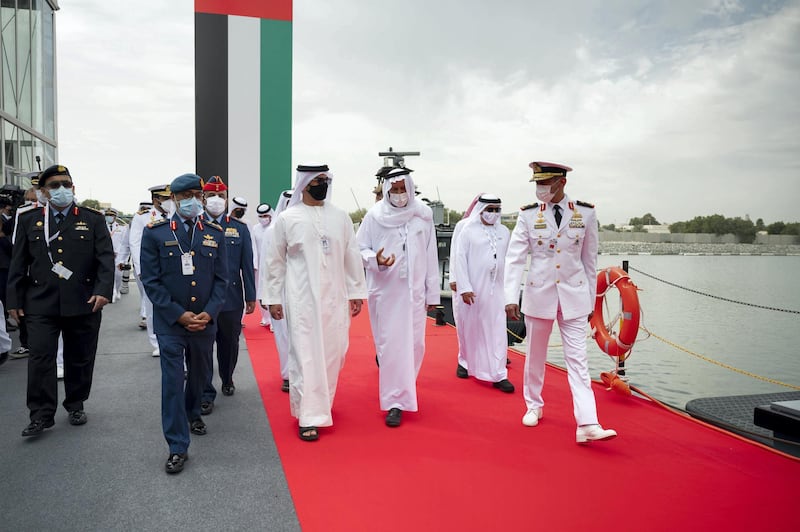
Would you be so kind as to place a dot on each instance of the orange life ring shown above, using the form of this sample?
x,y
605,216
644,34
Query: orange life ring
x,y
616,345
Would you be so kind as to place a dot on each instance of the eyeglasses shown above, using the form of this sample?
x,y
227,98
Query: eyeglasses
x,y
492,209
52,185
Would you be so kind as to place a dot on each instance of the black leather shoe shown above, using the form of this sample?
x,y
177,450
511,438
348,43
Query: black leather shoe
x,y
285,385
206,407
175,462
504,386
228,389
394,417
36,427
461,372
77,417
3,357
198,427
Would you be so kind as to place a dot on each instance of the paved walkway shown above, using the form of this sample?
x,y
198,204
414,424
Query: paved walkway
x,y
109,474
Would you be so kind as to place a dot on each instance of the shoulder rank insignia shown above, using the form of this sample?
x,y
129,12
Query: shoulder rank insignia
x,y
529,206
584,204
214,225
157,222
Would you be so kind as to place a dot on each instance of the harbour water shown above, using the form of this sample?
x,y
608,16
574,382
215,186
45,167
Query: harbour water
x,y
758,341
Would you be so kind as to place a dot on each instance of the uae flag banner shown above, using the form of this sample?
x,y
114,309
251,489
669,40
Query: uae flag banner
x,y
243,95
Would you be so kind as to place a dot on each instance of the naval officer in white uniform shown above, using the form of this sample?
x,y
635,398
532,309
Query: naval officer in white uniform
x,y
561,237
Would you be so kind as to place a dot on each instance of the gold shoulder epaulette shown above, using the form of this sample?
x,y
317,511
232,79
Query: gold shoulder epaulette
x,y
157,222
584,204
529,206
214,225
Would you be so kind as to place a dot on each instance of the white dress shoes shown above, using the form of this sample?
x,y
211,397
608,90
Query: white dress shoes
x,y
532,417
588,433
156,352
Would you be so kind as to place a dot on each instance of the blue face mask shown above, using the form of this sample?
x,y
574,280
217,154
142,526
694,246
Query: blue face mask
x,y
61,197
190,207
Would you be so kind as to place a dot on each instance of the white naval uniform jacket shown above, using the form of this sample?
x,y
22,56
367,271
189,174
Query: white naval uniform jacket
x,y
563,260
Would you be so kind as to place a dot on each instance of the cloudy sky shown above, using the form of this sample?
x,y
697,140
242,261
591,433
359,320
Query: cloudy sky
x,y
679,108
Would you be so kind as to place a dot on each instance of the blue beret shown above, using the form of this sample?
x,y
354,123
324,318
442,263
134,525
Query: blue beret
x,y
185,182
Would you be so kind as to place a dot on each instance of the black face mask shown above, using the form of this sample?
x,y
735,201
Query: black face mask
x,y
318,192
237,213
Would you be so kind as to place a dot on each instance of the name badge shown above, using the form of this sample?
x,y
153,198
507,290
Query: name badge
x,y
62,271
540,226
187,264
326,245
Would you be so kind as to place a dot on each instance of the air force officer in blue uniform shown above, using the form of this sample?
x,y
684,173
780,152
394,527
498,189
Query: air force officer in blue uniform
x,y
241,275
184,273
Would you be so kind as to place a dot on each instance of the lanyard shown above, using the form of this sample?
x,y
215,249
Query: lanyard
x,y
47,237
173,225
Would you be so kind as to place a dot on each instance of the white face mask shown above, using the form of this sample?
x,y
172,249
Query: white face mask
x,y
109,220
490,217
399,200
166,206
215,205
543,193
265,221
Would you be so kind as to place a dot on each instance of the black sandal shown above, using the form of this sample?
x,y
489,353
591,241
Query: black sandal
x,y
312,435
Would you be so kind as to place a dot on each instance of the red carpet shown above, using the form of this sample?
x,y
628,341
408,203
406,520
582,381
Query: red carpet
x,y
465,461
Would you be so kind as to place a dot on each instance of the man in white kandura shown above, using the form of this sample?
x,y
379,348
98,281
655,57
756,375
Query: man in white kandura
x,y
456,303
480,258
278,327
257,231
398,246
314,261
561,237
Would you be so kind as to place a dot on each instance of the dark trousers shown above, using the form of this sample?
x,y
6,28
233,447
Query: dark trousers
x,y
23,332
80,347
229,327
180,398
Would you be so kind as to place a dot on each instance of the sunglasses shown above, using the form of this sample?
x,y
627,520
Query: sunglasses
x,y
52,185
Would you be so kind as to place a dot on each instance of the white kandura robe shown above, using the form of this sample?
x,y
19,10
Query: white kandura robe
x,y
483,323
398,299
279,329
456,301
318,287
257,233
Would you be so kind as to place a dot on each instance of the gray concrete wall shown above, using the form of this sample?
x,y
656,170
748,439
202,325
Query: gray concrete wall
x,y
694,238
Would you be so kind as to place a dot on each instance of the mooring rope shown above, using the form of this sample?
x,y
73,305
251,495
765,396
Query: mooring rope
x,y
712,295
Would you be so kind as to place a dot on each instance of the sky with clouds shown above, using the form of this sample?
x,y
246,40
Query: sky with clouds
x,y
679,109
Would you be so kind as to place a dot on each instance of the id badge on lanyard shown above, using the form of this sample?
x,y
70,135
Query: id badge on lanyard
x,y
187,264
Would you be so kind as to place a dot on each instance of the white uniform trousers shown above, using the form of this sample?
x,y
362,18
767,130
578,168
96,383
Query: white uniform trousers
x,y
573,336
147,312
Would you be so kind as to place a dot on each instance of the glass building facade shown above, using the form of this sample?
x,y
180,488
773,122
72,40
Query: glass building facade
x,y
27,88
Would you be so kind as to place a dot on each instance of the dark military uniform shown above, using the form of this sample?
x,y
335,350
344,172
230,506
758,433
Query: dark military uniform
x,y
173,293
56,305
239,248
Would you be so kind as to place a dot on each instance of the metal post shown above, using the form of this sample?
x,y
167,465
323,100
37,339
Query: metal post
x,y
621,363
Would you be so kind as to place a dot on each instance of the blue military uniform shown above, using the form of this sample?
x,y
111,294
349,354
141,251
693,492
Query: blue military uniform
x,y
183,273
241,288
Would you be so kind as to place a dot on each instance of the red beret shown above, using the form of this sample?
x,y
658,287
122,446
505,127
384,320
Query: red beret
x,y
215,184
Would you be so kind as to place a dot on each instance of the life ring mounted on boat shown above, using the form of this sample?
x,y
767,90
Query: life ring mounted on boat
x,y
616,344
